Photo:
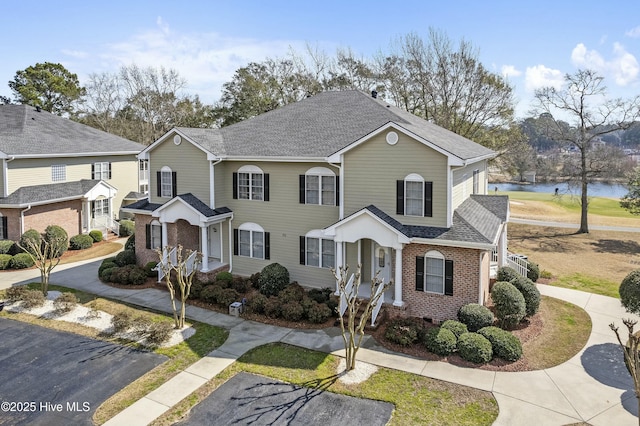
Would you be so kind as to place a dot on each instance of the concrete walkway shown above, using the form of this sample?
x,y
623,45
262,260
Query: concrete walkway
x,y
592,387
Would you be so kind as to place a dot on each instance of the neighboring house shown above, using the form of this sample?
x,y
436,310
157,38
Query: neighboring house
x,y
336,179
54,171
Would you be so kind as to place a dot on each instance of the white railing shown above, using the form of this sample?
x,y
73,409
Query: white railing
x,y
516,261
346,295
166,257
191,263
378,305
105,224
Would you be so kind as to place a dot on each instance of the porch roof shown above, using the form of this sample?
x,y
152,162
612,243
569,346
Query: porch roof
x,y
56,192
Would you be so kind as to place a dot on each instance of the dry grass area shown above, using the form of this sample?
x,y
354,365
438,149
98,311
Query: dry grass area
x,y
595,262
100,249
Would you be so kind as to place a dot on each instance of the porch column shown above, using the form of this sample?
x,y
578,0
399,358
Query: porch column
x,y
87,216
339,262
204,246
502,247
397,294
165,235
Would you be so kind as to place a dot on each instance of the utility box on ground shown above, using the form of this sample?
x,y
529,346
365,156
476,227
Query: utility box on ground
x,y
235,309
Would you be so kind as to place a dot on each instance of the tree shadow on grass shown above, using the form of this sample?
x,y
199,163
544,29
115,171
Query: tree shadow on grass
x,y
616,246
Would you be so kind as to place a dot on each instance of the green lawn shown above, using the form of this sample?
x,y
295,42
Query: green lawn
x,y
597,205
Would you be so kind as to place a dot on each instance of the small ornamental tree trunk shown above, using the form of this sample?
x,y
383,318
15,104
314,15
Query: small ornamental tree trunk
x,y
631,355
352,332
184,269
45,255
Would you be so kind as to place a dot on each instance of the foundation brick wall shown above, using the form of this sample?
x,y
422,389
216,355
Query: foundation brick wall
x,y
66,214
13,223
143,254
466,267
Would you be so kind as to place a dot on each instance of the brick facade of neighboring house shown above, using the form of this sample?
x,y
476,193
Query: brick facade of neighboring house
x,y
64,214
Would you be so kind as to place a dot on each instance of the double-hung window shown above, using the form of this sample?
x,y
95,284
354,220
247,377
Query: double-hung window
x,y
414,196
101,171
251,183
317,251
319,185
166,183
250,240
101,207
434,274
154,235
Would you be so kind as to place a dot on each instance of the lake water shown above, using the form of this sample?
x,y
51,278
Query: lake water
x,y
596,189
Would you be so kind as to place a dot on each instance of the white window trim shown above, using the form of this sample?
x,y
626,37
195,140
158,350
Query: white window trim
x,y
251,170
155,224
433,254
252,228
104,170
61,171
320,172
166,170
322,239
103,202
414,177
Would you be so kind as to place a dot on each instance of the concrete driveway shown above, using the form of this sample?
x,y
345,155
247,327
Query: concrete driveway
x,y
49,377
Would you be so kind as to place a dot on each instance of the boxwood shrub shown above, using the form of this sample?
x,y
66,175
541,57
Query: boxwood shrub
x,y
96,235
475,316
475,348
292,311
630,292
318,312
127,228
149,269
21,261
225,276
6,246
59,235
530,293
533,272
403,331
5,260
505,345
506,273
456,327
130,244
126,257
273,279
441,341
509,304
80,242
30,235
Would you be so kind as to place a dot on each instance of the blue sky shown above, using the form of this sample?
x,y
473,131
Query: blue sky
x,y
533,43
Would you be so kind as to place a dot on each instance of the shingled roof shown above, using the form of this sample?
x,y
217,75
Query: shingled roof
x,y
47,193
25,132
321,125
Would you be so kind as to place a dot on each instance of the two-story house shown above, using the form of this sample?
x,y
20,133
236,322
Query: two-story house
x,y
340,178
54,171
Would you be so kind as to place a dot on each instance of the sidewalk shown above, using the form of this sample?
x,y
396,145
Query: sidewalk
x,y
592,387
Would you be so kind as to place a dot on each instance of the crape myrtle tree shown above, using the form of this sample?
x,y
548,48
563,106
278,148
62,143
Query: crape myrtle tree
x,y
583,103
45,250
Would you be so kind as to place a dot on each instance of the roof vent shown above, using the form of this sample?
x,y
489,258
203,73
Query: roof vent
x,y
38,108
374,94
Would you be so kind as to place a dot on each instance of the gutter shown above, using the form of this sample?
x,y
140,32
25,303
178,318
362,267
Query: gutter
x,y
5,176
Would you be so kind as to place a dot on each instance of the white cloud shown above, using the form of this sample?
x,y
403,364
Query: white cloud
x,y
510,71
540,76
584,58
633,33
75,53
622,67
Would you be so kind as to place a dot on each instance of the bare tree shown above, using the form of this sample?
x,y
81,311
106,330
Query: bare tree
x,y
583,100
102,102
348,287
631,355
45,253
178,275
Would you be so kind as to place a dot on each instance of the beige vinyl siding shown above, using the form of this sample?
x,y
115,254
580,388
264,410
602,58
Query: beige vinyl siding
x,y
189,163
282,216
463,182
2,188
37,171
372,169
365,258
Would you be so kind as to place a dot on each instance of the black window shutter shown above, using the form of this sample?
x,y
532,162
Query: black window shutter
x,y
93,209
448,277
428,199
337,190
236,241
148,232
93,171
174,184
5,228
419,273
159,183
265,181
302,250
109,171
303,198
235,186
400,197
267,245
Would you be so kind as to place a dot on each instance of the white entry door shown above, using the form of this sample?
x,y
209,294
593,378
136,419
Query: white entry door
x,y
382,262
215,246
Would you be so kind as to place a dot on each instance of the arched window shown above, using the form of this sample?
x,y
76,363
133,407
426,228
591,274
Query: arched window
x,y
154,235
414,196
319,185
434,274
250,183
166,182
251,241
317,250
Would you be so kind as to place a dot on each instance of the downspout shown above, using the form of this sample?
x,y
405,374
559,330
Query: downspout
x,y
339,167
212,182
230,244
22,218
480,278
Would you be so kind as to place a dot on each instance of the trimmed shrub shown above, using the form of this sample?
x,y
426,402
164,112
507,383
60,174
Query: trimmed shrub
x,y
318,313
441,341
106,264
57,234
273,279
292,293
403,331
137,276
21,261
5,260
127,228
292,311
126,257
159,332
509,304
530,293
96,235
148,268
475,348
32,299
333,303
255,280
227,296
630,292
533,273
15,294
505,345
320,295
64,303
456,327
80,242
6,246
130,244
210,293
30,235
475,316
121,321
506,273
225,276
240,284
196,289
120,275
106,273
257,303
272,307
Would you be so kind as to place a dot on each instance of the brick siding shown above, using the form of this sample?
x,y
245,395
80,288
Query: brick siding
x,y
66,214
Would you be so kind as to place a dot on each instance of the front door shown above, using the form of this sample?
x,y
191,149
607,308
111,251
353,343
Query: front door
x,y
214,240
382,262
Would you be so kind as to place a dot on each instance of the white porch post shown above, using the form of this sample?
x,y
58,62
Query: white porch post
x,y
502,247
397,294
165,235
87,216
204,246
339,262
